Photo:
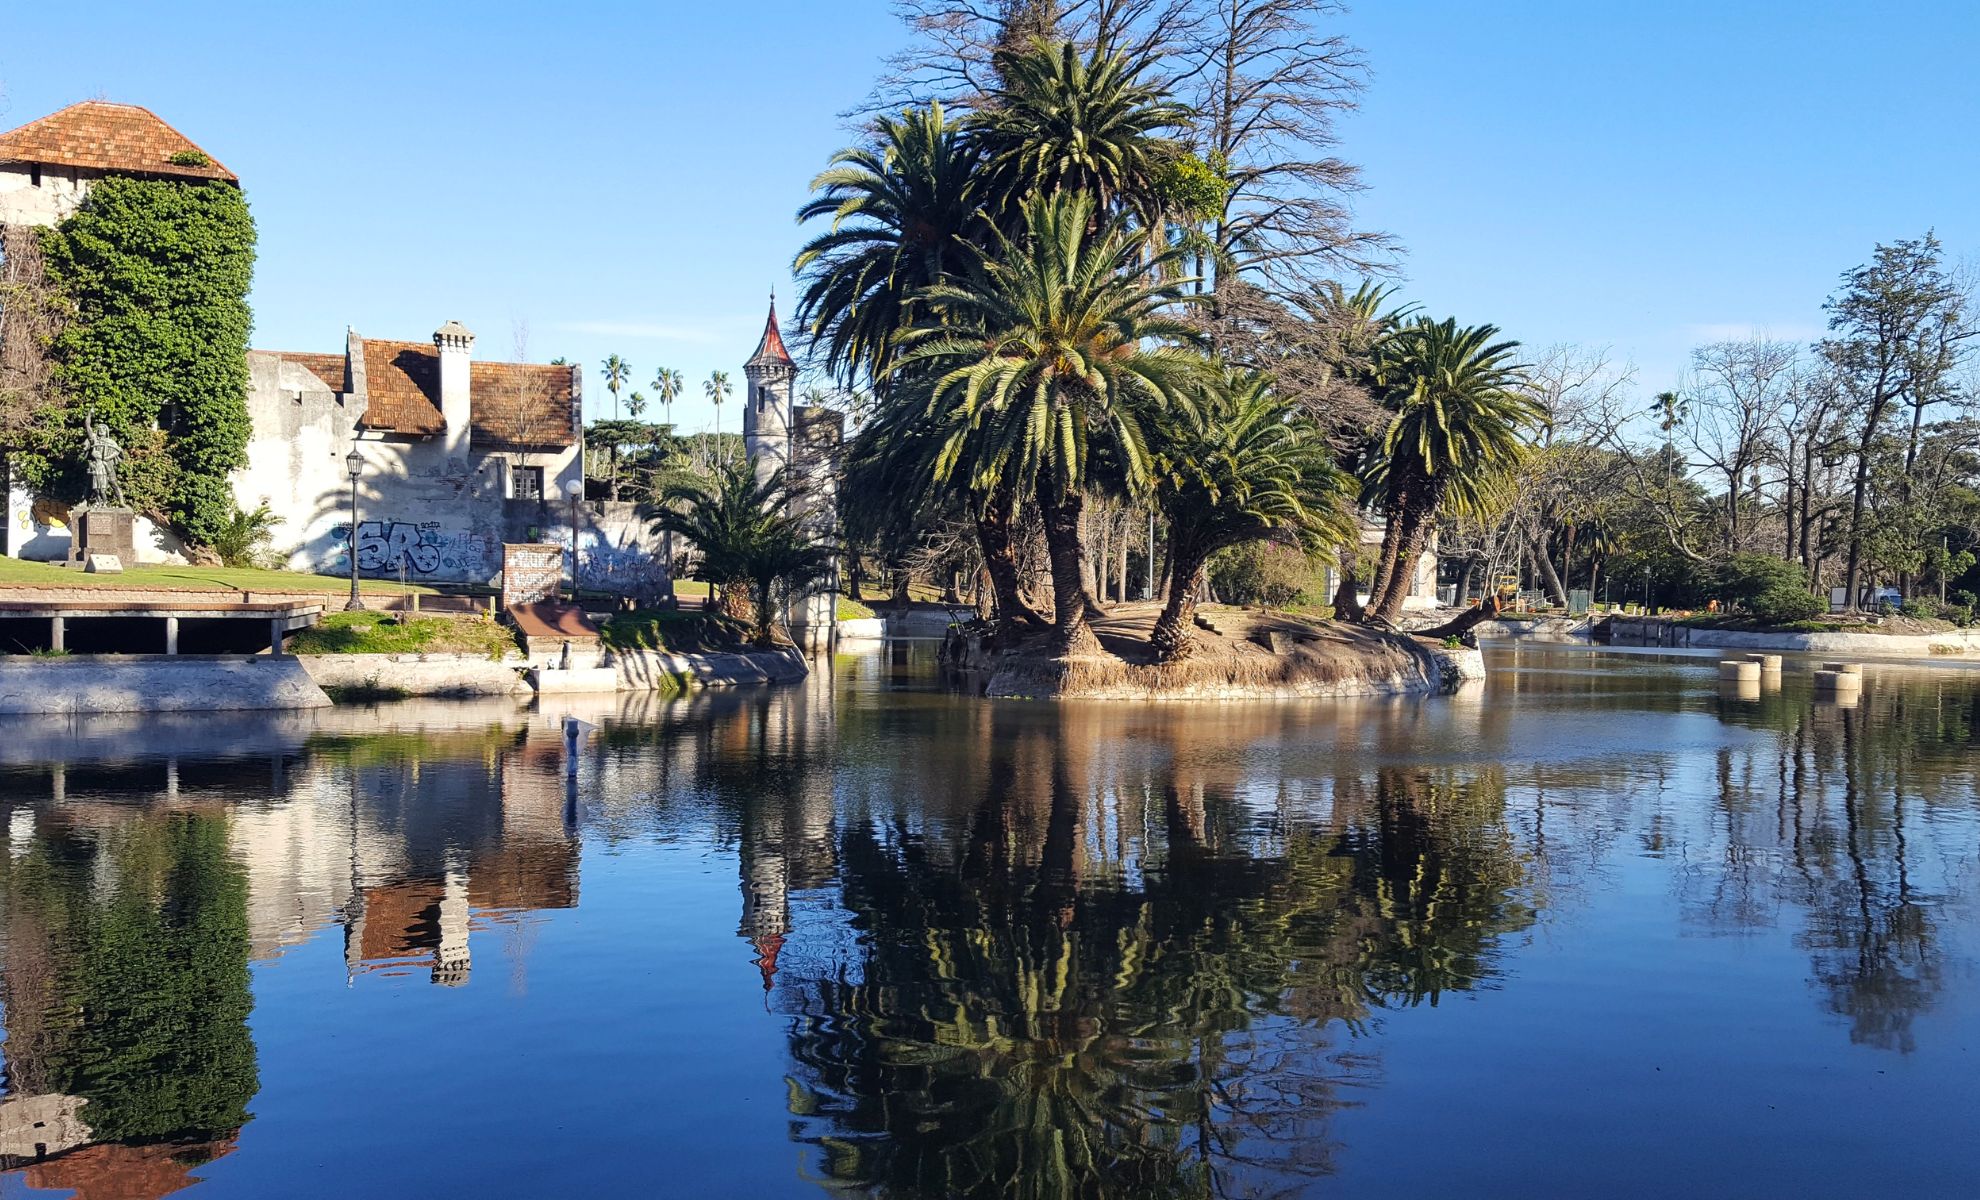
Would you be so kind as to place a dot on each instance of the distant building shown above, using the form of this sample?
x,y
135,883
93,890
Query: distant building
x,y
460,455
781,434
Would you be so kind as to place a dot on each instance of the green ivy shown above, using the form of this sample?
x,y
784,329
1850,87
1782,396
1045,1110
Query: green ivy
x,y
158,271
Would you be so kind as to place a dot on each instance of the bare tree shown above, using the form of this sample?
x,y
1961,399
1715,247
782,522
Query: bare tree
x,y
530,423
1268,85
1740,390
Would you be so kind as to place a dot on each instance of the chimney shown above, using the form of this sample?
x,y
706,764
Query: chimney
x,y
454,343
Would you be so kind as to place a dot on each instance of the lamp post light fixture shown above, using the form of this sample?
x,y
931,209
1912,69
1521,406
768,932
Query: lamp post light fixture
x,y
354,464
575,490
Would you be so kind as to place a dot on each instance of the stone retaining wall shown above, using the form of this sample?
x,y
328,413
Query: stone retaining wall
x,y
105,683
1637,631
418,674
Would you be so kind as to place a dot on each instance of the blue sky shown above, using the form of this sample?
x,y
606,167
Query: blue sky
x,y
621,177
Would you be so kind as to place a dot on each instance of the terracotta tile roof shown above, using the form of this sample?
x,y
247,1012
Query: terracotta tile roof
x,y
402,387
771,348
521,406
333,369
107,137
513,406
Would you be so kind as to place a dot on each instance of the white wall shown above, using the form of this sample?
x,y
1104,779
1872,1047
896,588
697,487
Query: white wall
x,y
60,194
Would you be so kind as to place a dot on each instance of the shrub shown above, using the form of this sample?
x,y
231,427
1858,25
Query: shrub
x,y
1261,573
1959,614
1785,605
242,540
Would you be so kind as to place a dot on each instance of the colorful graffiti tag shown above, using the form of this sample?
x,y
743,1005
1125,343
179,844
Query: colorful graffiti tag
x,y
423,549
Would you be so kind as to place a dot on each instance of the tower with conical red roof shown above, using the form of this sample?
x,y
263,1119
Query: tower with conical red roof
x,y
767,410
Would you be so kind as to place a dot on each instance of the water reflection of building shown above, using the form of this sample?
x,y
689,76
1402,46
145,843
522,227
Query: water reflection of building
x,y
134,893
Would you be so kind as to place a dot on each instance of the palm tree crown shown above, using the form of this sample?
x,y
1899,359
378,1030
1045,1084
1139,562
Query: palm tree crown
x,y
618,373
1063,122
901,211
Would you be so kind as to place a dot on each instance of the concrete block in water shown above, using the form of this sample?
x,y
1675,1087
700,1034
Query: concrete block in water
x,y
1735,671
1768,662
1829,680
575,679
1843,668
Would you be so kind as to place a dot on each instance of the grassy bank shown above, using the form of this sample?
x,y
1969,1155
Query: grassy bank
x,y
374,633
245,579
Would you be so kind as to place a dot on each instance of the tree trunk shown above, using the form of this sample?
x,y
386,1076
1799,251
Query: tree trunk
x,y
993,537
1548,577
1461,591
1174,636
1347,597
985,608
1388,606
734,601
1121,551
1073,635
1385,564
1853,570
1457,627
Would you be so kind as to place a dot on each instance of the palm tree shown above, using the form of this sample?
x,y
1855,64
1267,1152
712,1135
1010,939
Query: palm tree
x,y
1239,464
902,211
667,386
717,390
1461,418
636,403
752,542
618,373
1063,122
1054,350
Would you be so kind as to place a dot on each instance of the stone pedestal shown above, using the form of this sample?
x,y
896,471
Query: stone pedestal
x,y
111,531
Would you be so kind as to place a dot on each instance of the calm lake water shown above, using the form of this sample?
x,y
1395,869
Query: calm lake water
x,y
1594,927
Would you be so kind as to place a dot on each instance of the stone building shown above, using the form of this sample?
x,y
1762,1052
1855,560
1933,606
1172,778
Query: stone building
x,y
47,168
804,440
460,455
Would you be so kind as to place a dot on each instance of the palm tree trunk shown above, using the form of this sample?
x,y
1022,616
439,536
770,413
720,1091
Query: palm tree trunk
x,y
1069,599
1386,564
1347,596
1548,578
1414,525
993,537
1172,638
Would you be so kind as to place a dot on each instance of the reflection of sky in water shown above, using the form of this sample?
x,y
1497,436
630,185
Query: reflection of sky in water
x,y
1593,927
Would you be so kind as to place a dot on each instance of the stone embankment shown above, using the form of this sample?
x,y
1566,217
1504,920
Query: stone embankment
x,y
86,684
1655,631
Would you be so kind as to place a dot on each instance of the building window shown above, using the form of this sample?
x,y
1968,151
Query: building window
x,y
526,483
34,175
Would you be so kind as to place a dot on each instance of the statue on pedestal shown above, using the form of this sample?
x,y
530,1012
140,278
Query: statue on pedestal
x,y
104,455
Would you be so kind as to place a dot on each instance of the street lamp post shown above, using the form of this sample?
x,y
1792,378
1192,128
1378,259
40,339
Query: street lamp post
x,y
354,464
575,490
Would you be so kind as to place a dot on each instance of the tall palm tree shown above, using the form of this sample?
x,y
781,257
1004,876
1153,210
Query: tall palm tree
x,y
618,373
667,386
1048,358
717,390
1066,122
1239,464
636,403
902,212
1462,416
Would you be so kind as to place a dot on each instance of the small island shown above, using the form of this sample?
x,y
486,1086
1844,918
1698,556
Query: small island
x,y
1237,653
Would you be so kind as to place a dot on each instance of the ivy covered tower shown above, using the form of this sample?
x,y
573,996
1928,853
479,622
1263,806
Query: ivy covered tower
x,y
767,410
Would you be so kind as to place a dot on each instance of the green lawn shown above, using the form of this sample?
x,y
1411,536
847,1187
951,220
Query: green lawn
x,y
15,571
374,633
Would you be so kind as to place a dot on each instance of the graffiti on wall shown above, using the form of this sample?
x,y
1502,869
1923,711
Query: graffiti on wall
x,y
420,549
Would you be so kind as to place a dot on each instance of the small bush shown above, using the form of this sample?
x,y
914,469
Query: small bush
x,y
189,158
1918,610
1784,605
1959,614
1261,573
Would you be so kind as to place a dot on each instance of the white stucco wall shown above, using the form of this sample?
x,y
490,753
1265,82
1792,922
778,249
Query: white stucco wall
x,y
442,514
60,193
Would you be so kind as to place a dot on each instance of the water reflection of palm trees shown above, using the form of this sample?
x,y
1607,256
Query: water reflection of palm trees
x,y
1121,977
